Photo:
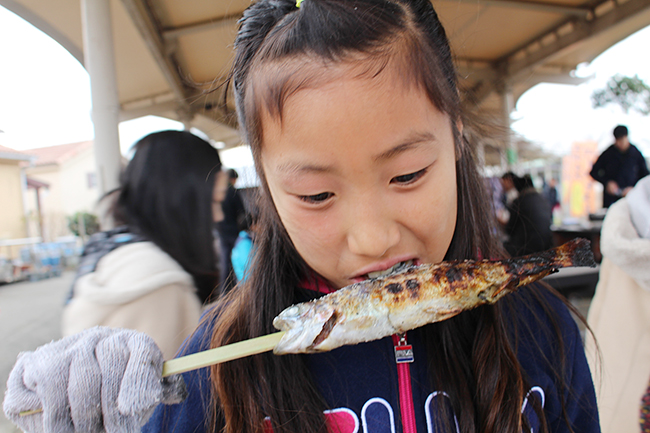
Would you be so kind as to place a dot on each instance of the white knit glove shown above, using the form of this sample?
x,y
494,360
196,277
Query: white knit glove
x,y
102,379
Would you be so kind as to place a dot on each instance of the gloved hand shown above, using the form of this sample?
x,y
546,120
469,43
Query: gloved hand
x,y
102,379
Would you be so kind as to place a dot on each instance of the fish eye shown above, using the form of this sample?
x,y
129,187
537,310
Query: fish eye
x,y
293,311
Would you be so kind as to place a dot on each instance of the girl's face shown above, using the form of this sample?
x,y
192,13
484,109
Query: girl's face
x,y
362,172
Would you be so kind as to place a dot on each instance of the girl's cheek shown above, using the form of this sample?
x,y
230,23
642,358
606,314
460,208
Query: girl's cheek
x,y
303,225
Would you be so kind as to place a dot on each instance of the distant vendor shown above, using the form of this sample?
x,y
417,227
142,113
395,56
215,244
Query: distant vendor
x,y
619,167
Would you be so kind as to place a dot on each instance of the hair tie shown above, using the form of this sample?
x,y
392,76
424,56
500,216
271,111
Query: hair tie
x,y
298,2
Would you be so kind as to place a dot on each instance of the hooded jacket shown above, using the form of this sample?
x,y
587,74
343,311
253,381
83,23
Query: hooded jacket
x,y
619,316
136,286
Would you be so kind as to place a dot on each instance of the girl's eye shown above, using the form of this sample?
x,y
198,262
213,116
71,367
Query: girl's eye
x,y
407,179
316,198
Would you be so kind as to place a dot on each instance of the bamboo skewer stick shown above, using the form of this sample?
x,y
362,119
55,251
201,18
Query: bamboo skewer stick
x,y
218,355
221,354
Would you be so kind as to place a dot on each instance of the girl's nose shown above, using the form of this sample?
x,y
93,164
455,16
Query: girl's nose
x,y
372,232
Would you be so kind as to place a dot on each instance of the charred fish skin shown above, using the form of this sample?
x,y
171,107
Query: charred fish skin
x,y
415,296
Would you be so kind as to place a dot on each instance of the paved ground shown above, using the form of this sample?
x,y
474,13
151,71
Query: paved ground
x,y
30,315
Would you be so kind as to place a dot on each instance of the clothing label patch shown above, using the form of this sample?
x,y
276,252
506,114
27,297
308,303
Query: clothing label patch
x,y
404,354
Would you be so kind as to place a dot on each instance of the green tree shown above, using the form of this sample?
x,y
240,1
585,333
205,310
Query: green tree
x,y
630,93
89,223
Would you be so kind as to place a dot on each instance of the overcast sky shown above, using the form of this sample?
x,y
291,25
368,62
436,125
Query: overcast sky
x,y
555,115
45,93
45,97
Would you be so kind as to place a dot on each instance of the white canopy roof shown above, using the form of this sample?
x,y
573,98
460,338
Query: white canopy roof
x,y
170,52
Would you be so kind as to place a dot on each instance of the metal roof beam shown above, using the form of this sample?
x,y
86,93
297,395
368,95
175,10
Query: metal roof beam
x,y
533,5
532,54
548,45
202,26
146,24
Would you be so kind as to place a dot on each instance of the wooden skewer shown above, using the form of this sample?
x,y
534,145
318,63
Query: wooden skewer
x,y
30,412
222,354
212,356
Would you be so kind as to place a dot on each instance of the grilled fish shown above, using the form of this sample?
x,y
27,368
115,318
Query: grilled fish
x,y
413,297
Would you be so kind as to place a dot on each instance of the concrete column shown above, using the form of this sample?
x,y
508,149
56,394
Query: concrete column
x,y
507,106
185,118
503,159
186,121
480,156
99,58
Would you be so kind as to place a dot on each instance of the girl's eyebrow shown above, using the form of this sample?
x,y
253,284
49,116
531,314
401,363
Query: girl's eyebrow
x,y
294,168
414,140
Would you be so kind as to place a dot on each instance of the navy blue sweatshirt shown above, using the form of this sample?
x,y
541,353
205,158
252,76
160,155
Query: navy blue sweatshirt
x,y
361,385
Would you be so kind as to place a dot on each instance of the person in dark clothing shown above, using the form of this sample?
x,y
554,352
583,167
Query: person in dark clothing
x,y
619,167
228,229
529,226
550,193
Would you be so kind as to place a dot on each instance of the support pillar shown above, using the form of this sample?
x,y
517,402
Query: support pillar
x,y
507,106
480,156
99,59
185,117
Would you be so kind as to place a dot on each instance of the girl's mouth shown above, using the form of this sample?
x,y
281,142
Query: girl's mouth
x,y
397,267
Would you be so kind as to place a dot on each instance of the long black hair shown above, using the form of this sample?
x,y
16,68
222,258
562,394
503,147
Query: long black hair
x,y
472,353
165,195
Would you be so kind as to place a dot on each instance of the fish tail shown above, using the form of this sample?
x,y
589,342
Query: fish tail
x,y
527,269
576,252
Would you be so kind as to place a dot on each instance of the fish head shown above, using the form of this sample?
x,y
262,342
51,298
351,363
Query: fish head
x,y
303,324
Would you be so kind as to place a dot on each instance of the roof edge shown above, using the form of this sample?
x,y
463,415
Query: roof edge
x,y
15,156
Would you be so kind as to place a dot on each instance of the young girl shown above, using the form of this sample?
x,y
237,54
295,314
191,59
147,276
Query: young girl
x,y
353,114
